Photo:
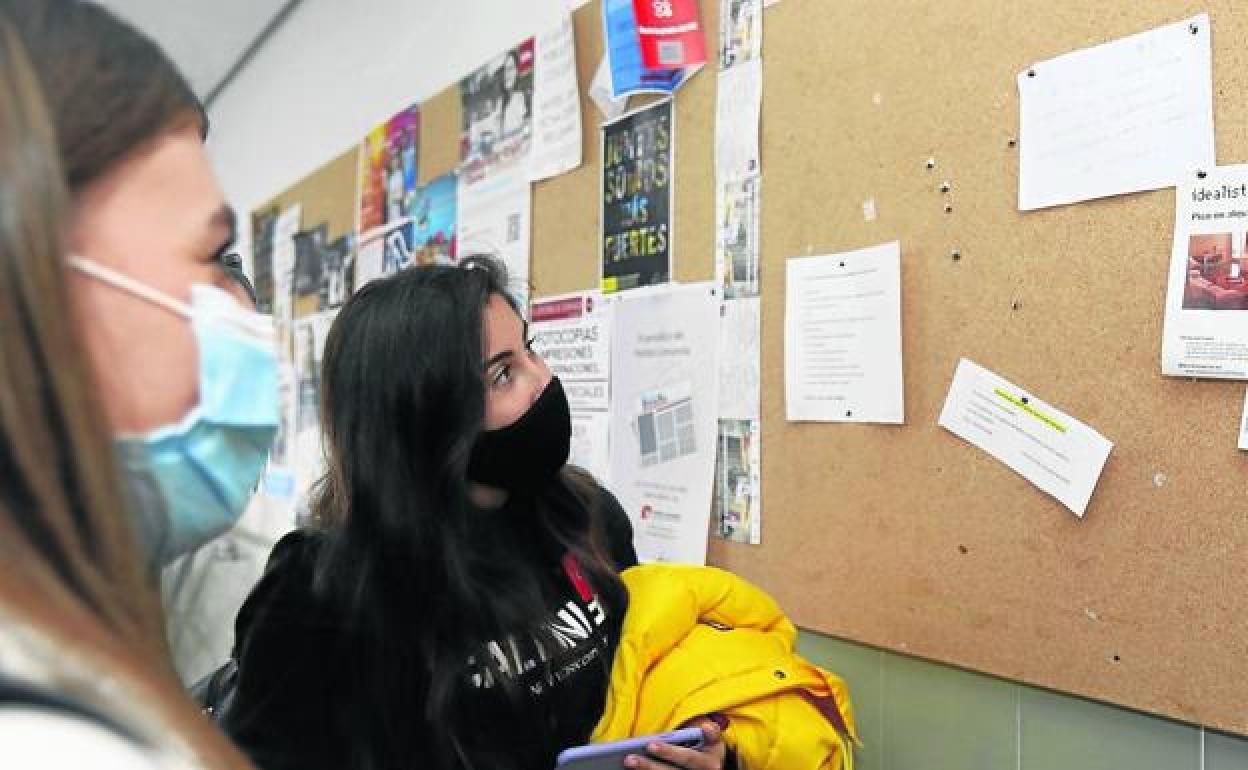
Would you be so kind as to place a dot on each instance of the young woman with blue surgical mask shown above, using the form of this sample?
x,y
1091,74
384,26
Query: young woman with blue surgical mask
x,y
136,394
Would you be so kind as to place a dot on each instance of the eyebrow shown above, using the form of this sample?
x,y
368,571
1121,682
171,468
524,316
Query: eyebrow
x,y
504,355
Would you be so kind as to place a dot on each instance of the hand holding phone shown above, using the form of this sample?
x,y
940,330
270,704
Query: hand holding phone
x,y
610,756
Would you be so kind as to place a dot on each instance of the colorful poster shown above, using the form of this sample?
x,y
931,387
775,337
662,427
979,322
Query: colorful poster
x,y
388,169
669,33
434,215
736,507
628,69
637,160
497,112
397,243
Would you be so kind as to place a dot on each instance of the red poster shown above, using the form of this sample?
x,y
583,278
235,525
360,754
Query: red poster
x,y
671,35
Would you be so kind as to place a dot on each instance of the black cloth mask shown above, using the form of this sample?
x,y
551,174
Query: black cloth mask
x,y
524,457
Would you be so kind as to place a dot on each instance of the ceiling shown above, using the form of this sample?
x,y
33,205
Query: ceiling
x,y
205,39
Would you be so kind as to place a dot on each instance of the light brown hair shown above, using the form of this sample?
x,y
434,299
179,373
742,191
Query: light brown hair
x,y
79,92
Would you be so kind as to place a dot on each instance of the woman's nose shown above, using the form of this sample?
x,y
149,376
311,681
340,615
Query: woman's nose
x,y
542,377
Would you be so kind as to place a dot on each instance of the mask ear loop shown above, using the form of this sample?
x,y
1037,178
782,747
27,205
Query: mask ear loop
x,y
126,283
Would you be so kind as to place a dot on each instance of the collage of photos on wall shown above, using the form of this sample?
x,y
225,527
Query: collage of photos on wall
x,y
1216,277
497,111
388,174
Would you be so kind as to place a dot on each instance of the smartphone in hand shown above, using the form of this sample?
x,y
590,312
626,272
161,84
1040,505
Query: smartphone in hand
x,y
610,756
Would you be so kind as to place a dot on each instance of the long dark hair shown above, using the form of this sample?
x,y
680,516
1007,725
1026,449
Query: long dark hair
x,y
405,555
79,92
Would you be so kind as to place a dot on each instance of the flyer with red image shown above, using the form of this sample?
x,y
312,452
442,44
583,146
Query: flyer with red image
x,y
671,35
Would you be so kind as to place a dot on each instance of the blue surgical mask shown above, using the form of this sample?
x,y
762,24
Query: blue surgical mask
x,y
191,481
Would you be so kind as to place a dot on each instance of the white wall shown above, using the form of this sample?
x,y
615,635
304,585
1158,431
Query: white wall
x,y
335,69
330,73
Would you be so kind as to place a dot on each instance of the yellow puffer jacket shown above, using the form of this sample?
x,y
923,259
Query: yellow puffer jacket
x,y
698,640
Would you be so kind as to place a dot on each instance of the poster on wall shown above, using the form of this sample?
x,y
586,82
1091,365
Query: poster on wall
x,y
637,153
670,33
388,169
495,215
1206,325
556,105
309,460
497,100
263,225
664,407
740,31
736,507
572,334
671,53
434,215
737,212
309,246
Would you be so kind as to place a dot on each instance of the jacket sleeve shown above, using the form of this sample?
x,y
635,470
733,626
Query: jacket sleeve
x,y
287,693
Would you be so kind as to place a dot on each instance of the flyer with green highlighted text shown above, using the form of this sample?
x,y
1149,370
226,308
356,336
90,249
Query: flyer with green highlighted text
x,y
1043,444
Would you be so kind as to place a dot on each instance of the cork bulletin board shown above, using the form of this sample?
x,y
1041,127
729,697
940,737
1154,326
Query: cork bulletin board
x,y
905,537
910,539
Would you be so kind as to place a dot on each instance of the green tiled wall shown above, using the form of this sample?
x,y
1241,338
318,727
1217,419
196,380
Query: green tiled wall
x,y
914,715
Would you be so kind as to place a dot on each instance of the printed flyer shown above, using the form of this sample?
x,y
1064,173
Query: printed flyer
x,y
1206,326
637,155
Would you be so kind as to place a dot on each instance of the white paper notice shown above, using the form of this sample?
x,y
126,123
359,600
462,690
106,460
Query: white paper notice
x,y
556,105
1134,114
494,219
572,333
739,355
738,106
602,94
842,337
1044,445
663,417
369,261
1206,327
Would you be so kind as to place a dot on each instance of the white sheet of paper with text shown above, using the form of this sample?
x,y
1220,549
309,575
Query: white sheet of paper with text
x,y
842,337
1205,333
1043,444
1133,114
664,405
556,105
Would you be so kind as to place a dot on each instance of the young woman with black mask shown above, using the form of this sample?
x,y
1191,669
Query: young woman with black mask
x,y
458,604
